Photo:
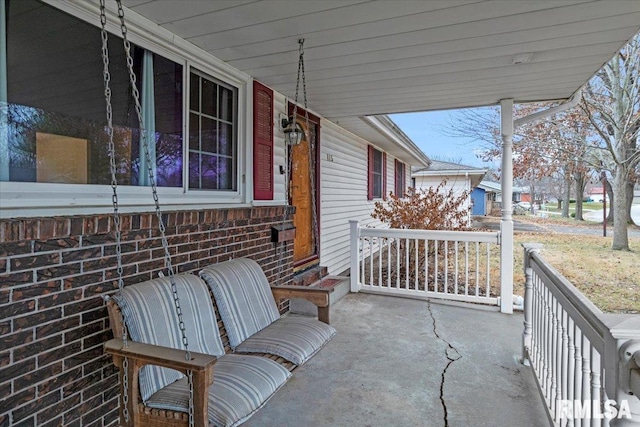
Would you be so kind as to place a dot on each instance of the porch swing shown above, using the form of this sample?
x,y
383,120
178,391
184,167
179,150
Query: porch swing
x,y
166,352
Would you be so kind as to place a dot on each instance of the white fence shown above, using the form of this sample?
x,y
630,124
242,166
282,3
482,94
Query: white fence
x,y
586,363
454,265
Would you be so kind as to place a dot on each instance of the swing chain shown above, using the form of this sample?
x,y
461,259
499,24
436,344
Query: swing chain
x,y
191,409
114,198
312,141
152,180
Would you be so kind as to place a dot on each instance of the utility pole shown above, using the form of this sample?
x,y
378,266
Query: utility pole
x,y
603,176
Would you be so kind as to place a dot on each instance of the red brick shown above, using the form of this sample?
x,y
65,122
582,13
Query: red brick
x,y
57,327
59,353
59,298
36,347
10,341
37,318
58,271
83,331
16,369
59,381
33,406
46,228
37,376
82,254
36,290
83,305
15,279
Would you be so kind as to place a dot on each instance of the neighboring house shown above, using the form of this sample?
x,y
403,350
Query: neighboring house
x,y
488,194
459,178
486,197
596,194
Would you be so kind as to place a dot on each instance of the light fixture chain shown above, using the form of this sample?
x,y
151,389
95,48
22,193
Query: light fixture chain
x,y
312,149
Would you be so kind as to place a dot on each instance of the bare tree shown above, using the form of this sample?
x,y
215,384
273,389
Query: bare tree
x,y
612,103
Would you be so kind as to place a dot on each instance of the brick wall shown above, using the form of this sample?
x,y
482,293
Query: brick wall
x,y
53,274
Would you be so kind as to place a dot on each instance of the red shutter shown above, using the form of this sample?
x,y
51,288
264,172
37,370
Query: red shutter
x,y
262,142
384,176
370,173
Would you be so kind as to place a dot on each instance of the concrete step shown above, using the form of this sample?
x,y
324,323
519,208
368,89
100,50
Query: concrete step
x,y
341,288
309,276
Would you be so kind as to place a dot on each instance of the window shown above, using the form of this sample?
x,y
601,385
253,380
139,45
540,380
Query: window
x,y
377,167
212,141
55,117
53,126
262,142
400,179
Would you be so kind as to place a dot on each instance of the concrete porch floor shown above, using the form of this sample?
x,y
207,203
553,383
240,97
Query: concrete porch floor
x,y
385,368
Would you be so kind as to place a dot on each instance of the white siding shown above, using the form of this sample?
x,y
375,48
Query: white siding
x,y
343,185
343,192
458,183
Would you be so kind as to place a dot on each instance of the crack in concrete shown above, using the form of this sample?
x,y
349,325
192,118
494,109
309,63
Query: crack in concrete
x,y
452,355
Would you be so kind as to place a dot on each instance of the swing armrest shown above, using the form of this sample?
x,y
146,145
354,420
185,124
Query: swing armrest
x,y
139,355
317,296
148,354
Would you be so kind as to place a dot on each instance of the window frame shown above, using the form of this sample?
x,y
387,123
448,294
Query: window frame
x,y
400,182
30,199
371,151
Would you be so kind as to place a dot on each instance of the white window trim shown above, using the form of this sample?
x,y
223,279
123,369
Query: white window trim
x,y
29,199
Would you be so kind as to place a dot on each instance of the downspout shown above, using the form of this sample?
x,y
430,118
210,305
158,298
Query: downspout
x,y
571,102
508,124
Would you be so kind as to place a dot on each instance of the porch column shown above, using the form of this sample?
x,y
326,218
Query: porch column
x,y
354,263
506,224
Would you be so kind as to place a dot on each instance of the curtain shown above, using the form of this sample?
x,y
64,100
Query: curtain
x,y
4,106
148,119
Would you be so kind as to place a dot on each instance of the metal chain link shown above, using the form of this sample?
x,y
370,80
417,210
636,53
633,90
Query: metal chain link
x,y
191,409
312,143
114,198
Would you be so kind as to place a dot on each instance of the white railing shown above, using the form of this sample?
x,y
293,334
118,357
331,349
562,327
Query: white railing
x,y
454,265
586,362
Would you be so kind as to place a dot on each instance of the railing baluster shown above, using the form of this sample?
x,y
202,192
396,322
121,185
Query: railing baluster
x,y
586,376
397,263
406,264
489,274
455,278
446,266
440,251
477,269
436,286
578,395
415,268
380,261
571,347
596,408
466,268
564,353
426,265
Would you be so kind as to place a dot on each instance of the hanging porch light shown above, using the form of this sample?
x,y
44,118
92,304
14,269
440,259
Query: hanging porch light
x,y
293,132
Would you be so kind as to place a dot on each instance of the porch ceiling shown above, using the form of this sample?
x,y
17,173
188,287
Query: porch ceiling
x,y
381,57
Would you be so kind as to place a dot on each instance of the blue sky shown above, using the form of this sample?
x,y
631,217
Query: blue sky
x,y
425,130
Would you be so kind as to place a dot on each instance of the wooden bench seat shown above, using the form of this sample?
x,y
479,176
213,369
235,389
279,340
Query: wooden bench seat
x,y
159,396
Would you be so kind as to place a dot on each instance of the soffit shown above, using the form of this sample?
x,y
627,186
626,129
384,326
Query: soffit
x,y
381,57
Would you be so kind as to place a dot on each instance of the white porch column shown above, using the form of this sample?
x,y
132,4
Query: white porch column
x,y
354,263
506,224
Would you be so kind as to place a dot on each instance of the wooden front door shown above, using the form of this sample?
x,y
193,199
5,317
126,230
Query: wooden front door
x,y
304,249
